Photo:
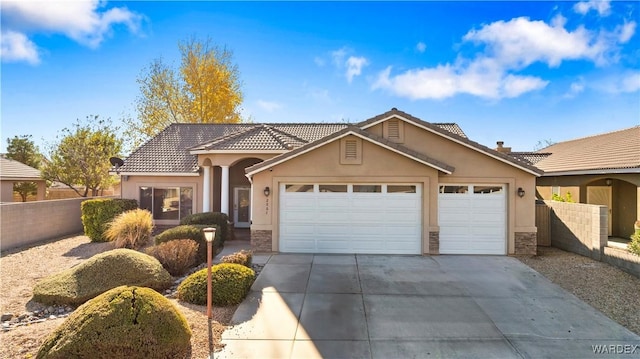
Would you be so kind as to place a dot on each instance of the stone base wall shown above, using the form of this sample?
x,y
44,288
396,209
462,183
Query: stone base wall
x,y
434,243
261,240
526,243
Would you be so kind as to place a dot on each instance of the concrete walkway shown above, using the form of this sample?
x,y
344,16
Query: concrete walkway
x,y
368,306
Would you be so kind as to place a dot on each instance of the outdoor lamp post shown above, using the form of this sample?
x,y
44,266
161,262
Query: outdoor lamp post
x,y
209,235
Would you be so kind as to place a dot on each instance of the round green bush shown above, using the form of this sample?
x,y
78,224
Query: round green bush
x,y
230,284
100,273
124,322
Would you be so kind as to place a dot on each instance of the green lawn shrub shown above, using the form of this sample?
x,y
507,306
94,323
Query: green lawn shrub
x,y
221,221
634,245
176,256
100,273
194,233
230,284
97,213
243,257
130,229
122,323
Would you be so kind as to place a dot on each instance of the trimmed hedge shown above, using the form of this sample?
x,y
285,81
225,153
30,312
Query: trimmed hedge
x,y
100,273
210,218
98,213
230,284
125,322
193,232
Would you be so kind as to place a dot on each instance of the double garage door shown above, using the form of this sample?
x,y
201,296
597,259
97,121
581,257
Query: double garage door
x,y
351,218
387,218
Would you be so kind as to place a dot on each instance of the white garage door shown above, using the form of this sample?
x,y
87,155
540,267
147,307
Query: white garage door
x,y
351,218
472,219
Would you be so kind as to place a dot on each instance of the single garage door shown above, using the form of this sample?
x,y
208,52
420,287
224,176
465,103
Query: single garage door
x,y
350,218
472,219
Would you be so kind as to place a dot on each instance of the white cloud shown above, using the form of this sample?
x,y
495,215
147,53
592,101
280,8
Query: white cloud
x,y
354,66
520,42
16,47
269,106
319,61
625,82
603,7
626,32
86,22
421,47
338,56
575,89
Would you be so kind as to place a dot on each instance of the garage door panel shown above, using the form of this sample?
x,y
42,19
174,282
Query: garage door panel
x,y
348,222
472,223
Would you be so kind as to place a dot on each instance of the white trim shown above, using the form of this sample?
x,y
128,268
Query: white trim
x,y
205,152
224,190
159,174
206,189
320,144
454,140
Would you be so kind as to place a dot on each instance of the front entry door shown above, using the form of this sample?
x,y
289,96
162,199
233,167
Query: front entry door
x,y
241,205
601,195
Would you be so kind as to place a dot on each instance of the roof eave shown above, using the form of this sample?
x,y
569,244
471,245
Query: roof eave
x,y
604,171
157,174
210,152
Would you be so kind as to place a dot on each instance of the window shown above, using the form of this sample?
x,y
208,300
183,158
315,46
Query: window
x,y
360,188
298,188
401,189
167,203
555,190
487,189
454,189
333,188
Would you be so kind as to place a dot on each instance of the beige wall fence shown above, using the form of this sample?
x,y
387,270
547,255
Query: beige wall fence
x,y
26,223
583,229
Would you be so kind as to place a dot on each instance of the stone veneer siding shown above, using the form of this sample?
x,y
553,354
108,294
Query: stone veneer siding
x,y
434,243
261,241
526,243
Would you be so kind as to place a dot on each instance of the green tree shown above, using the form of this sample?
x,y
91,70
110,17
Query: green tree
x,y
204,89
22,149
80,156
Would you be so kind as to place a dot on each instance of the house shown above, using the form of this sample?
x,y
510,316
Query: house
x,y
392,184
602,169
13,171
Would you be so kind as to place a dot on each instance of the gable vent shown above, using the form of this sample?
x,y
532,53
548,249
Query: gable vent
x,y
394,130
351,150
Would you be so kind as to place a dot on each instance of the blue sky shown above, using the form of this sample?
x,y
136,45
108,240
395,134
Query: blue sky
x,y
520,72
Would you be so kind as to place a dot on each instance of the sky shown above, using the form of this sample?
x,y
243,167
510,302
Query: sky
x,y
520,72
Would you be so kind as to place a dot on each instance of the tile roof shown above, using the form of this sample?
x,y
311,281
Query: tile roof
x,y
529,157
174,150
14,170
358,132
617,151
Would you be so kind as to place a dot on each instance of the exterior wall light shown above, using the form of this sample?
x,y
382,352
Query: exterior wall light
x,y
608,181
209,235
267,191
520,192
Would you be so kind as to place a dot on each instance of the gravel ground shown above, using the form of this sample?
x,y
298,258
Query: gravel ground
x,y
606,288
20,270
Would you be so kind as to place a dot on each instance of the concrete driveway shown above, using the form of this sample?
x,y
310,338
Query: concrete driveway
x,y
369,306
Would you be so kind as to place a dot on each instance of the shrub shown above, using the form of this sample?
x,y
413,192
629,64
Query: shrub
x,y
221,220
243,257
130,229
125,322
100,273
193,232
97,213
634,245
176,256
230,284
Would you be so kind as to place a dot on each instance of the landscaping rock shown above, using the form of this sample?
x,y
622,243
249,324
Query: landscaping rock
x,y
99,274
124,322
6,316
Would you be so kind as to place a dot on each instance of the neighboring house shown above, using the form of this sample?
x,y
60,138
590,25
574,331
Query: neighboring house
x,y
602,169
13,171
393,184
